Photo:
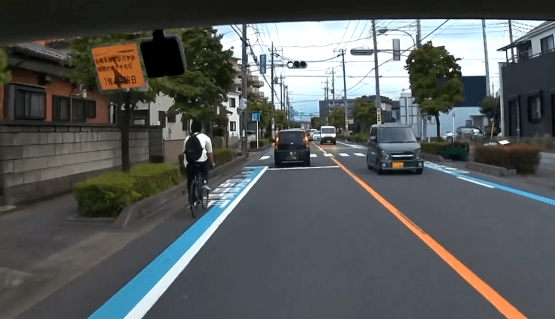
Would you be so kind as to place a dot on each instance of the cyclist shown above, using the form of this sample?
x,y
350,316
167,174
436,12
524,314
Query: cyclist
x,y
197,149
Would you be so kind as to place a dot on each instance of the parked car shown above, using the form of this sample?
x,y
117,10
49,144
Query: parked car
x,y
393,147
462,131
292,146
327,134
316,136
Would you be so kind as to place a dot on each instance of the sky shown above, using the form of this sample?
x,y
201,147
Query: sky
x,y
319,44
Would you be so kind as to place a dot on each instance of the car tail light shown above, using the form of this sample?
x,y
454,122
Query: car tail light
x,y
276,143
306,142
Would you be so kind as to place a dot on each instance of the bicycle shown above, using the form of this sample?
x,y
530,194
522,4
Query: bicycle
x,y
197,187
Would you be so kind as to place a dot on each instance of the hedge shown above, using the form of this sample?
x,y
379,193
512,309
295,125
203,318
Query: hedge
x,y
222,156
451,150
524,158
261,142
108,194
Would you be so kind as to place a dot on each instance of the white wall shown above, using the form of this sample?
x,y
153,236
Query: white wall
x,y
233,117
536,41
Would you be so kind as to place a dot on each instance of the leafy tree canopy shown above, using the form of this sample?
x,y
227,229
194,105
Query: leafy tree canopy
x,y
261,105
5,73
489,106
337,117
364,113
434,80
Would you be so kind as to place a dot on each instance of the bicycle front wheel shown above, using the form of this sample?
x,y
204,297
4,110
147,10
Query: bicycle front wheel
x,y
204,199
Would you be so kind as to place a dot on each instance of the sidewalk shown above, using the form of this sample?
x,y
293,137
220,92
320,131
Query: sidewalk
x,y
541,183
41,249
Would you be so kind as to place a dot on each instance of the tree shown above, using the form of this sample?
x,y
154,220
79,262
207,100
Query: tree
x,y
261,105
490,107
337,117
207,78
434,80
5,73
83,72
316,122
279,119
364,114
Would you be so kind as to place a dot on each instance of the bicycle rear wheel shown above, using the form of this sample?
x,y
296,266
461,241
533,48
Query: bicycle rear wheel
x,y
204,199
191,203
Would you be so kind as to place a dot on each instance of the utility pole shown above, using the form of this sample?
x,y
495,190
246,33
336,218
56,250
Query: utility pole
x,y
345,94
244,91
281,91
511,38
273,107
378,99
418,34
333,86
486,56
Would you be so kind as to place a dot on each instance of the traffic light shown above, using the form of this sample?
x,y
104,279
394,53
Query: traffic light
x,y
296,64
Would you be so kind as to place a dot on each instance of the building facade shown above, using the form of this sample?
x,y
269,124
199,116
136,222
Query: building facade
x,y
528,85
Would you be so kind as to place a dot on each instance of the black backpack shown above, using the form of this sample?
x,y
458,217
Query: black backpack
x,y
193,148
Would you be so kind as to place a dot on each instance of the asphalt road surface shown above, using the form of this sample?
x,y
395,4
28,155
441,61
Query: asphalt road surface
x,y
333,240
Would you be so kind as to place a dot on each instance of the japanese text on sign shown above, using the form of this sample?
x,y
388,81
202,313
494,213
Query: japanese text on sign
x,y
118,67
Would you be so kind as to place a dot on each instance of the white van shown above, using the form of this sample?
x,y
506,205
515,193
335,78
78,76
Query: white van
x,y
327,134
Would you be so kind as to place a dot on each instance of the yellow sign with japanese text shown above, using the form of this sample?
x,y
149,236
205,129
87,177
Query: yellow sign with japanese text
x,y
118,67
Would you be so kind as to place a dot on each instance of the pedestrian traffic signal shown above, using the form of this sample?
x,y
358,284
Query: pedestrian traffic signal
x,y
296,64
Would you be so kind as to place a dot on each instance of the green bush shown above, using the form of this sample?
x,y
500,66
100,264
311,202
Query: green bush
x,y
435,148
360,137
222,156
107,194
261,142
524,158
151,179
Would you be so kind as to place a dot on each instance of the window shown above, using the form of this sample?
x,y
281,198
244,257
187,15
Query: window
x,y
162,118
171,117
232,126
60,109
534,108
396,135
91,109
79,111
374,132
185,123
232,102
547,44
29,103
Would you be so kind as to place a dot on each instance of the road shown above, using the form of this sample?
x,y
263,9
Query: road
x,y
333,240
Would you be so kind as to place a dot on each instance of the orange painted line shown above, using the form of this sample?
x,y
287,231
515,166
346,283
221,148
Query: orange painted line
x,y
508,310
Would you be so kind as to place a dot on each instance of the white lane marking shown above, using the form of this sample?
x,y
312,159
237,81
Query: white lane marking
x,y
264,158
310,167
359,154
146,303
343,154
328,154
475,182
312,155
353,146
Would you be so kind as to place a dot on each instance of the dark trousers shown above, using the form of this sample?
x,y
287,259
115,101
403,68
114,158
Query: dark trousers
x,y
191,172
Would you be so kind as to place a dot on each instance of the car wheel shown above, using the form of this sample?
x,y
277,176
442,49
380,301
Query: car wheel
x,y
368,162
278,163
333,142
419,171
378,168
307,162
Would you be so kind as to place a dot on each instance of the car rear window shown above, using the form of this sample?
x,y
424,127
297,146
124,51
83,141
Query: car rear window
x,y
396,135
291,137
328,130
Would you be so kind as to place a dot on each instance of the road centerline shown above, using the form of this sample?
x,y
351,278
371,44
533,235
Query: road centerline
x,y
500,303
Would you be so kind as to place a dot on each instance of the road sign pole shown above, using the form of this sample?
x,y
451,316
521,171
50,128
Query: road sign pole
x,y
256,134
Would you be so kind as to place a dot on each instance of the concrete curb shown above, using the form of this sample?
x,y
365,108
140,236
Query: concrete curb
x,y
151,205
260,149
432,157
490,169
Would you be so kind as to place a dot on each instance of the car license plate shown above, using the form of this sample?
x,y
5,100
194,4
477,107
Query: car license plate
x,y
397,165
293,157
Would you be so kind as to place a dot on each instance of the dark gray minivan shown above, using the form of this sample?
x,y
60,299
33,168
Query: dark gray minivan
x,y
393,147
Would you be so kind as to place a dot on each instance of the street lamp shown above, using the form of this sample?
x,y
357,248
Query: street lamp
x,y
384,30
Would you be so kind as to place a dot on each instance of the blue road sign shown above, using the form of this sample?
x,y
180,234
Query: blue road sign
x,y
256,116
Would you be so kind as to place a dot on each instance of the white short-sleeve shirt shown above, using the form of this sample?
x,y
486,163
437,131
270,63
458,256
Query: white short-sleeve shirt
x,y
206,145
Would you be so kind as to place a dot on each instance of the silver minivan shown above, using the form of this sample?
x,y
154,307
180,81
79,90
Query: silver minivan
x,y
393,147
